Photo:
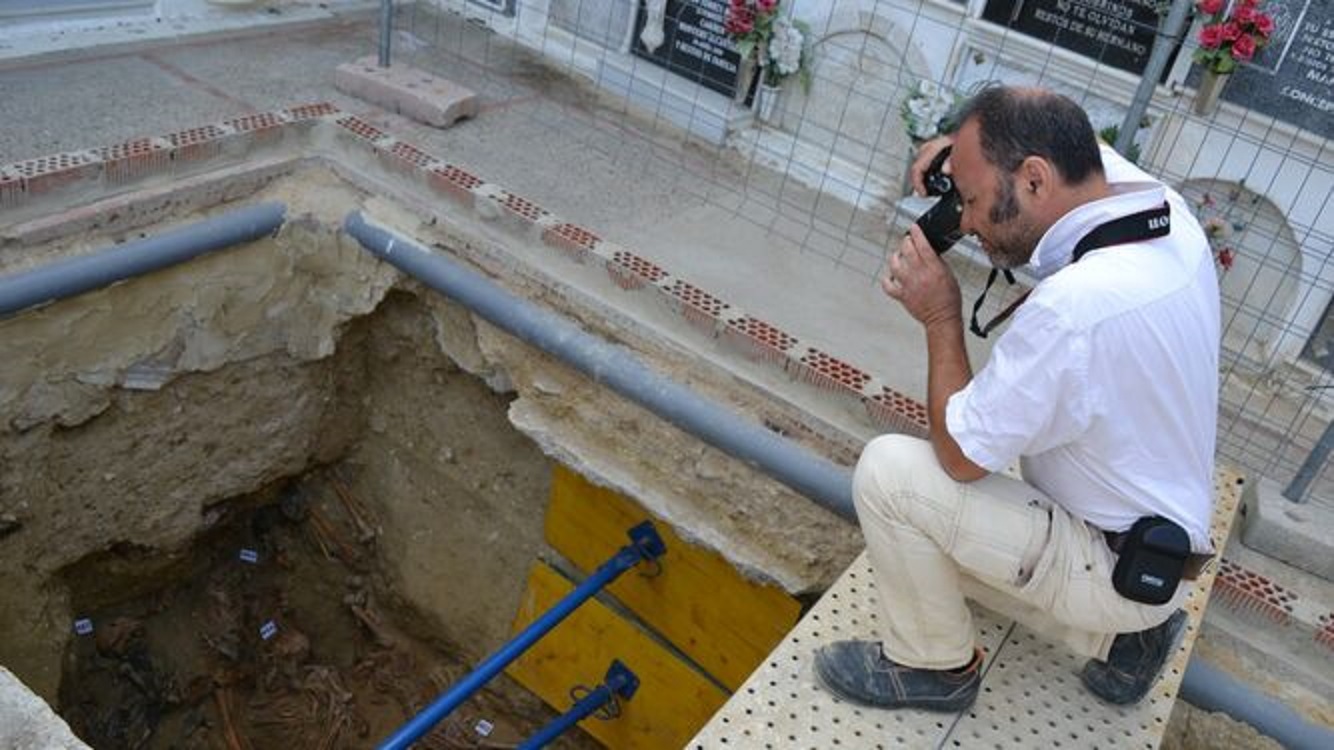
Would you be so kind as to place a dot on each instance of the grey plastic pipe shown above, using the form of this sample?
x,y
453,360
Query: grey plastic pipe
x,y
1212,689
104,267
823,481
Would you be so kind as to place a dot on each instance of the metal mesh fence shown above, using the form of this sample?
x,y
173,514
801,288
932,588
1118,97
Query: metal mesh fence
x,y
818,162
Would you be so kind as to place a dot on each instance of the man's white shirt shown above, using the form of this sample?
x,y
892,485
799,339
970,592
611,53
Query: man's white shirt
x,y
1105,382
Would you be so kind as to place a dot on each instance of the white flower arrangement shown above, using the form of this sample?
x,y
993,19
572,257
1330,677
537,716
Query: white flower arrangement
x,y
786,47
925,110
779,43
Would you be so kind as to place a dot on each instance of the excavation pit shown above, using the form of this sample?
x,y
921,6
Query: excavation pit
x,y
275,626
385,453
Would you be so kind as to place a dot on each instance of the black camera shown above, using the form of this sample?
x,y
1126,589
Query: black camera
x,y
940,223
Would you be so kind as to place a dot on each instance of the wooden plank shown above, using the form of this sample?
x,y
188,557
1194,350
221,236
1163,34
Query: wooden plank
x,y
699,602
673,700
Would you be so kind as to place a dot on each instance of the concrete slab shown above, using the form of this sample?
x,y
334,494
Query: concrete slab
x,y
407,91
47,34
763,270
1299,534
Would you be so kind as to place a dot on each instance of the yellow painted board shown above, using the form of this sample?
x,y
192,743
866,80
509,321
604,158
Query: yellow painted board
x,y
672,702
699,602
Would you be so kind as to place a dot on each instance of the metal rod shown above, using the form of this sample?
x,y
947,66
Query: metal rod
x,y
107,266
620,682
620,370
1165,41
1315,460
646,545
386,30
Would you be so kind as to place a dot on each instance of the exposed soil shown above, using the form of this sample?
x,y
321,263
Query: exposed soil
x,y
296,649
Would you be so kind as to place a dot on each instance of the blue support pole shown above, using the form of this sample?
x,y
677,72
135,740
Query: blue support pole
x,y
619,682
645,544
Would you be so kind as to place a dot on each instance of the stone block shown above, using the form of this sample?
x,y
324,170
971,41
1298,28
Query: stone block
x,y
27,722
407,91
1299,534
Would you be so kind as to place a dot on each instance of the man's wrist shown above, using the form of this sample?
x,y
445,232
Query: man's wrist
x,y
942,324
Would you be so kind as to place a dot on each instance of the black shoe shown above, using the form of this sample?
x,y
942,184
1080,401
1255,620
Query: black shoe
x,y
1135,661
859,672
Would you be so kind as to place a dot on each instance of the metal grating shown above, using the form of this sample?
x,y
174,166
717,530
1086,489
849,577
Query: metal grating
x,y
1031,693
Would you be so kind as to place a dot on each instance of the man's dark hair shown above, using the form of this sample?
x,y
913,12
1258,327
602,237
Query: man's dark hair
x,y
1015,124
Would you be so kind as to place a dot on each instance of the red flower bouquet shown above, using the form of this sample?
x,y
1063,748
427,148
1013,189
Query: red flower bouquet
x,y
1231,35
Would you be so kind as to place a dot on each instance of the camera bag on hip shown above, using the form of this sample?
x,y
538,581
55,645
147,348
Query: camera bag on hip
x,y
1152,559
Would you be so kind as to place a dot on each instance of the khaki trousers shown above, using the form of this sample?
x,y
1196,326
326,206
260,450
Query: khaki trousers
x,y
933,541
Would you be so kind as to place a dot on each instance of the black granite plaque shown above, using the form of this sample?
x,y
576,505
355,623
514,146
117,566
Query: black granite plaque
x,y
694,44
1292,78
1118,33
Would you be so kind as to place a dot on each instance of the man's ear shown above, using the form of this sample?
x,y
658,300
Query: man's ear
x,y
1036,177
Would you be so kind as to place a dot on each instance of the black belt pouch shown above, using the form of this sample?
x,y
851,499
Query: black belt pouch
x,y
1151,561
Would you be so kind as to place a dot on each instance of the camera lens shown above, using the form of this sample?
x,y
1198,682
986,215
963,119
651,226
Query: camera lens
x,y
938,183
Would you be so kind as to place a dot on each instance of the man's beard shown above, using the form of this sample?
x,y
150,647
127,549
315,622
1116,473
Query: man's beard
x,y
1015,238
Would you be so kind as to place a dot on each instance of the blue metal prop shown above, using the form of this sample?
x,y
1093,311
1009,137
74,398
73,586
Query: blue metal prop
x,y
645,544
620,682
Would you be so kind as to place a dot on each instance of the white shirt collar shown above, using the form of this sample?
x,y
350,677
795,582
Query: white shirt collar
x,y
1054,249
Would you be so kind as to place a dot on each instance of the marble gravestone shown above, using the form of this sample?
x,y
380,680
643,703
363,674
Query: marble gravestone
x,y
1118,33
1292,79
687,38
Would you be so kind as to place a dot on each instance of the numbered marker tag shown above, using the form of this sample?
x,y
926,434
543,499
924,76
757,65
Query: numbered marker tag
x,y
268,630
484,727
249,555
83,626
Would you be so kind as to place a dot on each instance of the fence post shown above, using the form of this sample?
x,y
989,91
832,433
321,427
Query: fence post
x,y
386,30
1169,33
1311,466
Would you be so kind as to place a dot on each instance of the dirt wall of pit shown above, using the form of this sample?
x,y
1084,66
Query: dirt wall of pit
x,y
130,416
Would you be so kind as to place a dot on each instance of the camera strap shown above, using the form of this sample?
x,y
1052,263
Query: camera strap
x,y
1137,227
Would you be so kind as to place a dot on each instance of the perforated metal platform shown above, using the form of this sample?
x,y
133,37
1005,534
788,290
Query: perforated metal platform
x,y
1031,693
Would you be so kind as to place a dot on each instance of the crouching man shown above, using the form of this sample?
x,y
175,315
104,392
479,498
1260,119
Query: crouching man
x,y
1103,385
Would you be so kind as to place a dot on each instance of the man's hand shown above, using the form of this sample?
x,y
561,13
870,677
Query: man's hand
x,y
925,154
922,283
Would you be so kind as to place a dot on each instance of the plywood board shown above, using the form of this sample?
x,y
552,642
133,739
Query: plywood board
x,y
698,602
673,700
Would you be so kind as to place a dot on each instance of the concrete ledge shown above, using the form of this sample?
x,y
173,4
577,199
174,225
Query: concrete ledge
x,y
1299,534
26,722
406,91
